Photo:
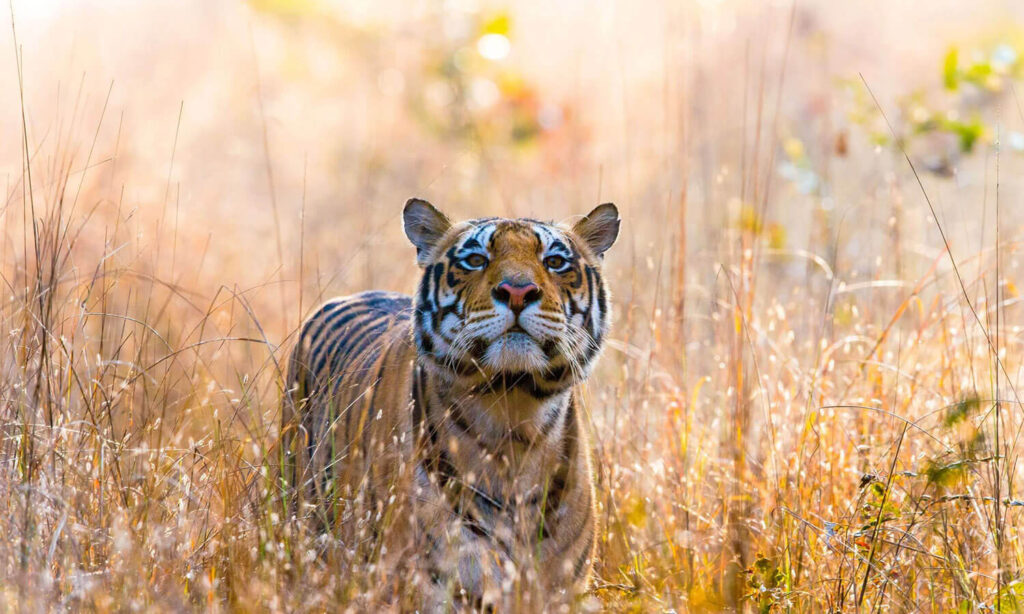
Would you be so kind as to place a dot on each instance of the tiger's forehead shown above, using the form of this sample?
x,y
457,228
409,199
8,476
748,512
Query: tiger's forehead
x,y
493,234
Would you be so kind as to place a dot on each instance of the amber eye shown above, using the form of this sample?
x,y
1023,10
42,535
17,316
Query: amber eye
x,y
474,261
556,263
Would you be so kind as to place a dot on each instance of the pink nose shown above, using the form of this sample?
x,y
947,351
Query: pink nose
x,y
516,296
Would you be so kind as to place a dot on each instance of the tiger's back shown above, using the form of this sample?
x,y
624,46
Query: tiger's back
x,y
353,359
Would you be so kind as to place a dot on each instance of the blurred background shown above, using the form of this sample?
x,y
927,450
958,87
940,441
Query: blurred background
x,y
790,176
249,117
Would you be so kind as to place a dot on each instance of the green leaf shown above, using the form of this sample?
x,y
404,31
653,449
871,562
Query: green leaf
x,y
1011,598
969,132
950,75
946,474
959,412
978,73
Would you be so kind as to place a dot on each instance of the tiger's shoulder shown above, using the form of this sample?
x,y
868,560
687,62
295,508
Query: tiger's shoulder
x,y
348,334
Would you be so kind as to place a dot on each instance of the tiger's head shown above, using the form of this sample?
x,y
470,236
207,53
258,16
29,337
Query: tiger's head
x,y
501,298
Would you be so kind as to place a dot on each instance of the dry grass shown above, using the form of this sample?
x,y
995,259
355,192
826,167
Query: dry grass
x,y
811,400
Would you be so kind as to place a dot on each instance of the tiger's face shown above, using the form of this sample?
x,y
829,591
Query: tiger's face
x,y
504,297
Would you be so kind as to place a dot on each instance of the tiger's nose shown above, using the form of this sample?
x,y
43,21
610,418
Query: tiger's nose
x,y
516,296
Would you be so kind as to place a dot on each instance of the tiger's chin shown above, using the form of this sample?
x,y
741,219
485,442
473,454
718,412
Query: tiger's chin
x,y
515,352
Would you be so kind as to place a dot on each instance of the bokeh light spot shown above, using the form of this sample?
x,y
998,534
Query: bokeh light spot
x,y
494,46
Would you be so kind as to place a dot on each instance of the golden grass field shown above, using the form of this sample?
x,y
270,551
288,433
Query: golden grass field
x,y
811,399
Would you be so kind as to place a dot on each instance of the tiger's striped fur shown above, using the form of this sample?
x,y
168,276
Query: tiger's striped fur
x,y
451,420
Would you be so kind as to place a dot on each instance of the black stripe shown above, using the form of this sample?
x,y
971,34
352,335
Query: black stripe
x,y
493,503
569,440
475,238
317,319
353,341
438,272
431,431
460,366
475,527
324,335
554,375
424,289
556,488
550,348
558,245
339,331
424,343
551,420
520,380
602,295
459,419
439,315
590,296
417,399
444,468
478,348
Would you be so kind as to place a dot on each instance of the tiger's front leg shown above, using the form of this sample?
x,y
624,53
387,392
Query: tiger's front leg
x,y
468,558
473,571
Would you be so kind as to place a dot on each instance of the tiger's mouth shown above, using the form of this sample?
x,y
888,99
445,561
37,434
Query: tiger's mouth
x,y
515,349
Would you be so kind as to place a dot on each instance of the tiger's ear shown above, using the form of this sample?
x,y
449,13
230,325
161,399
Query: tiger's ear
x,y
424,225
599,228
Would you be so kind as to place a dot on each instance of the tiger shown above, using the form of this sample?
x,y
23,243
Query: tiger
x,y
445,428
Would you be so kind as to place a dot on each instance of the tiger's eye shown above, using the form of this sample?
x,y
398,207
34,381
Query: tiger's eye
x,y
475,261
554,262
